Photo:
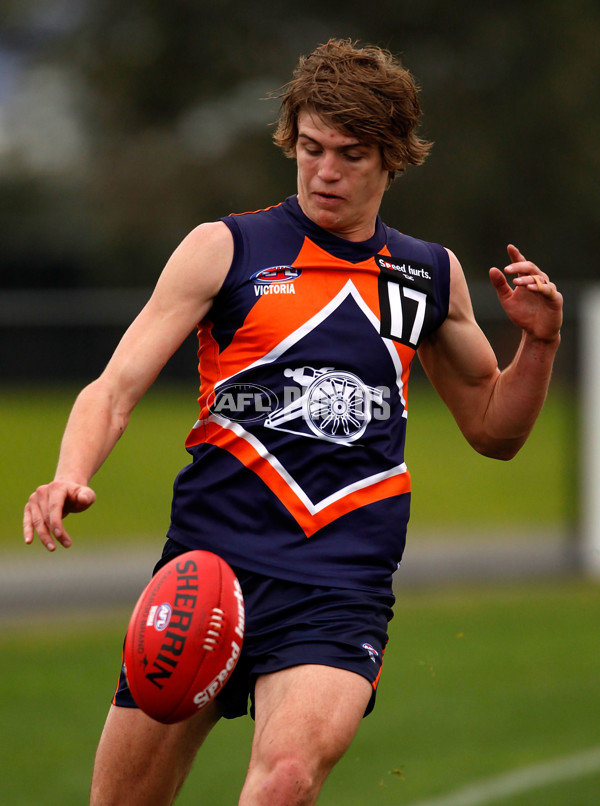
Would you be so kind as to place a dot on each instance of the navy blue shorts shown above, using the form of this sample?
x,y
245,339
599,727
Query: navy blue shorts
x,y
290,624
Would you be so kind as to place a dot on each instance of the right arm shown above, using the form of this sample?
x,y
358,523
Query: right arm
x,y
182,297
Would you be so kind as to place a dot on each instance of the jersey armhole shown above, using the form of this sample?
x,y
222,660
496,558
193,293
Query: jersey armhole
x,y
442,280
238,248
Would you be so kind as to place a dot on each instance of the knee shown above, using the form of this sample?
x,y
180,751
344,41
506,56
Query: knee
x,y
293,778
288,781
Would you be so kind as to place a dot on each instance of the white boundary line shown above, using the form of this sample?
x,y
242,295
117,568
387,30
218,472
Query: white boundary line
x,y
480,793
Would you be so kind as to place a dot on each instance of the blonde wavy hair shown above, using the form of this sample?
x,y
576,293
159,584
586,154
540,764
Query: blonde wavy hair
x,y
364,92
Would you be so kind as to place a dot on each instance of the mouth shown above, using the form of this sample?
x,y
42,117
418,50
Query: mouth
x,y
327,197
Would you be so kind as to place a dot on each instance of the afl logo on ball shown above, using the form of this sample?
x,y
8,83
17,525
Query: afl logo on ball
x,y
162,617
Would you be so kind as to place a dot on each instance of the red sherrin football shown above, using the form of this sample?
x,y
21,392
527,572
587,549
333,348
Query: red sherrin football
x,y
185,635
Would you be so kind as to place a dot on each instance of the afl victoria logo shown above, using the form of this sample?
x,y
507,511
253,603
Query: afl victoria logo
x,y
277,274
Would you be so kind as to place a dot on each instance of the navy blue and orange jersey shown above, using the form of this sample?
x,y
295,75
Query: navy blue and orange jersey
x,y
298,467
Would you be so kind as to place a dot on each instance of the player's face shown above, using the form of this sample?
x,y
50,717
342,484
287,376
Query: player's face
x,y
340,180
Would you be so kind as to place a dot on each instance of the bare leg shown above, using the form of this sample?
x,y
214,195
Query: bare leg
x,y
306,718
141,762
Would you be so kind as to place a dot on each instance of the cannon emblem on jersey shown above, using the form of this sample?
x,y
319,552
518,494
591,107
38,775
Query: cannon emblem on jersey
x,y
335,405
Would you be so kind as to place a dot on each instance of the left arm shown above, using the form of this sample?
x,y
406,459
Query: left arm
x,y
496,410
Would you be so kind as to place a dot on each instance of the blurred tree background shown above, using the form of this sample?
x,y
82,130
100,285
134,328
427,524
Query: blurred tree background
x,y
122,126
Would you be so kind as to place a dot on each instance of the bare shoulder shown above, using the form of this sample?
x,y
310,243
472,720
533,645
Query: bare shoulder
x,y
460,311
205,254
198,267
460,299
458,351
210,234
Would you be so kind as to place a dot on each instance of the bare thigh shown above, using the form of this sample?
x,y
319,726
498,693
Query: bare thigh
x,y
306,718
140,761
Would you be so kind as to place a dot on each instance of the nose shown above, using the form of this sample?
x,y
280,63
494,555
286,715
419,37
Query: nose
x,y
329,167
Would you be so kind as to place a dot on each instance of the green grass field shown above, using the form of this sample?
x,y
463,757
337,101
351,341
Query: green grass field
x,y
452,485
477,683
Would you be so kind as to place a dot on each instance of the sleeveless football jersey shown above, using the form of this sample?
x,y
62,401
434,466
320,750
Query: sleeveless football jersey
x,y
298,465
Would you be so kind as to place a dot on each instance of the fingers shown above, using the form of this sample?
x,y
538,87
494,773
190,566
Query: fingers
x,y
547,288
522,270
499,282
46,508
83,498
37,518
526,274
514,253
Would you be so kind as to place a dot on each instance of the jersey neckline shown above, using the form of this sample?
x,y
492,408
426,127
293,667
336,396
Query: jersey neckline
x,y
351,251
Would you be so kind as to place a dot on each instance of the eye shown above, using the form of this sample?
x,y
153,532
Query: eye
x,y
309,147
312,151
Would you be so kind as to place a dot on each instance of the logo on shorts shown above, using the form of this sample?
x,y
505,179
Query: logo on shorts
x,y
373,653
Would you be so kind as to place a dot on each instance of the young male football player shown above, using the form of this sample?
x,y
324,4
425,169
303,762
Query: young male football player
x,y
309,314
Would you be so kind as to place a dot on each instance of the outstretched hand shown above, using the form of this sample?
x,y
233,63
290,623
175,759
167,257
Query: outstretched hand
x,y
533,303
46,508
